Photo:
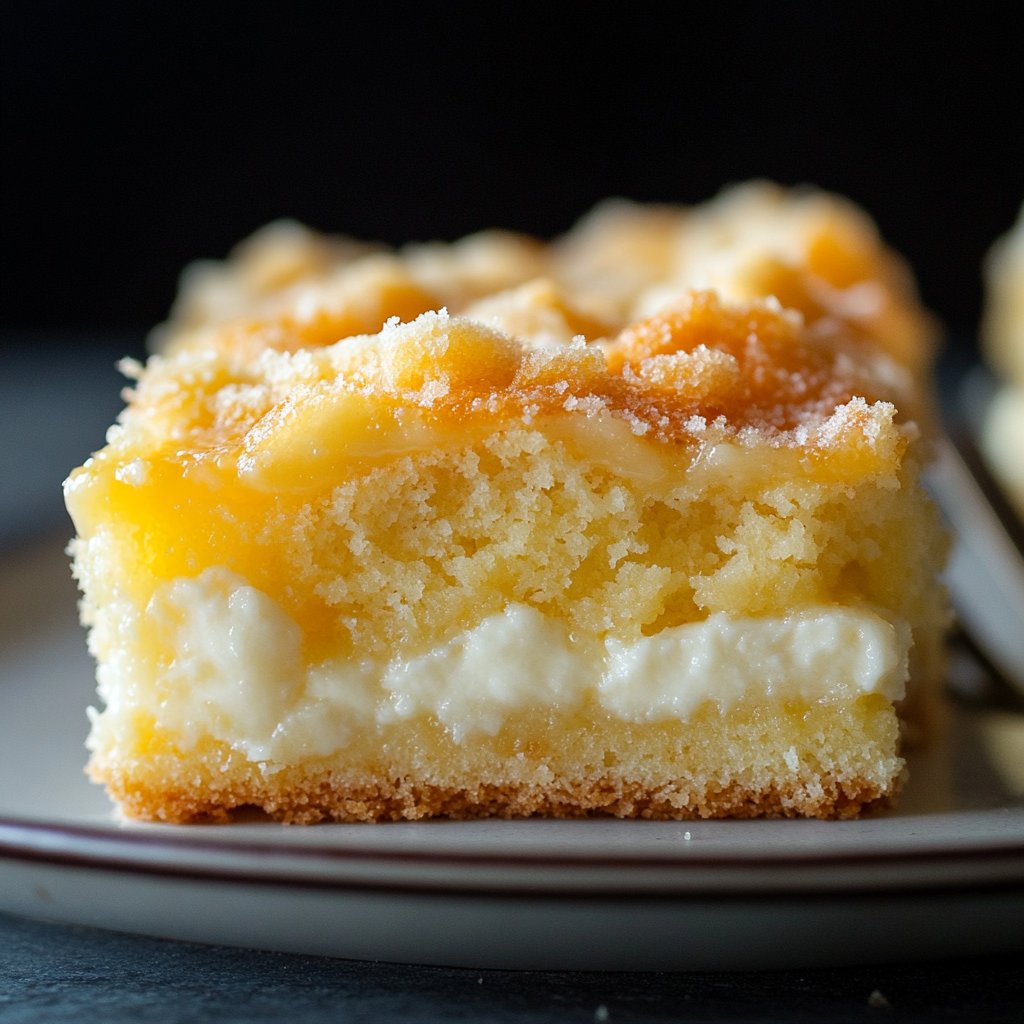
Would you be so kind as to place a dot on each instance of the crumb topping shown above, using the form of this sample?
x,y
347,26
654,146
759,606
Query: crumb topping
x,y
756,316
753,370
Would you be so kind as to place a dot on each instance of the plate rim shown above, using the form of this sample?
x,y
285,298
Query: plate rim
x,y
998,863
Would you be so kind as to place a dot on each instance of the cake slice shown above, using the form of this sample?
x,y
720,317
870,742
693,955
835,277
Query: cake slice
x,y
536,554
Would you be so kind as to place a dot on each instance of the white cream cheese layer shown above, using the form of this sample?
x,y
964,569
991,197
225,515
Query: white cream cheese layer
x,y
230,666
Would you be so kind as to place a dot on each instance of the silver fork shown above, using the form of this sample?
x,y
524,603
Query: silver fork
x,y
985,574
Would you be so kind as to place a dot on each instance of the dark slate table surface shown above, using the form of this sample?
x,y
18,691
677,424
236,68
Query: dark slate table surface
x,y
55,973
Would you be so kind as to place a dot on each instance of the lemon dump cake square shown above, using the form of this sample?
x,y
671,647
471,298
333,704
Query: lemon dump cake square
x,y
628,523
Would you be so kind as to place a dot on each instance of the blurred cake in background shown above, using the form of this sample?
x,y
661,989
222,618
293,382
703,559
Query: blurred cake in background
x,y
1002,436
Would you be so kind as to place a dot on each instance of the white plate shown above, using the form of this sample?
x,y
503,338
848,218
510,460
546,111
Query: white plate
x,y
944,875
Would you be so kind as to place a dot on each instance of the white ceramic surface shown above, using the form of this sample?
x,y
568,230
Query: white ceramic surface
x,y
943,875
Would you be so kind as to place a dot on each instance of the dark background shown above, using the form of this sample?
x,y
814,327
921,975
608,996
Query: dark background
x,y
138,138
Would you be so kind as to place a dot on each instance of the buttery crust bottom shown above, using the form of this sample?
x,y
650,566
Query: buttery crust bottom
x,y
808,760
296,797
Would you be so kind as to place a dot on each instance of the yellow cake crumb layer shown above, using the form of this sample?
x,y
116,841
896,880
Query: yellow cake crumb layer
x,y
377,517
